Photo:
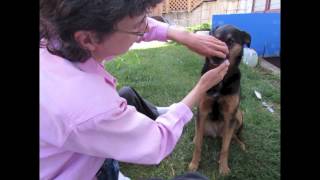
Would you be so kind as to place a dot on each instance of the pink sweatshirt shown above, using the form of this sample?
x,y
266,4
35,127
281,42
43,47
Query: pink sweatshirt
x,y
83,120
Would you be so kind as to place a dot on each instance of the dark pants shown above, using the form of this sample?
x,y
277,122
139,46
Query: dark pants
x,y
142,105
110,168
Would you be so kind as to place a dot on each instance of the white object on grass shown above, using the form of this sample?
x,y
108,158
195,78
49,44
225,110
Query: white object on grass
x,y
267,106
263,102
250,57
270,109
257,94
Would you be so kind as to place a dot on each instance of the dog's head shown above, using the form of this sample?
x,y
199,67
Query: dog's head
x,y
235,40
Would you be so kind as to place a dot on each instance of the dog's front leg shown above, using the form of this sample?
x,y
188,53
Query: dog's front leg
x,y
198,140
236,137
230,105
224,153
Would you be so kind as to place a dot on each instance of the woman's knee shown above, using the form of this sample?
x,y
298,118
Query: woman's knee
x,y
127,92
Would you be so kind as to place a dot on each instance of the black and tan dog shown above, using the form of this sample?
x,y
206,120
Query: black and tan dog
x,y
218,113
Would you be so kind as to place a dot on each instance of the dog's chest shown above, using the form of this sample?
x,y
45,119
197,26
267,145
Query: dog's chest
x,y
215,91
214,129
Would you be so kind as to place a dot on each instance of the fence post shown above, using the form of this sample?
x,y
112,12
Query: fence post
x,y
189,5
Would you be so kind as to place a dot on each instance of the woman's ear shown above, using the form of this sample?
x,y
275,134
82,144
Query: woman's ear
x,y
86,40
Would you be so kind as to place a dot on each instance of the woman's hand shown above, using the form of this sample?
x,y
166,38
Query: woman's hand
x,y
204,45
207,80
212,77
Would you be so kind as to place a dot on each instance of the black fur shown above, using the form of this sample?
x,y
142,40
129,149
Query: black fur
x,y
230,85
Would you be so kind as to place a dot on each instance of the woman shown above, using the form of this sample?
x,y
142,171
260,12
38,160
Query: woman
x,y
83,119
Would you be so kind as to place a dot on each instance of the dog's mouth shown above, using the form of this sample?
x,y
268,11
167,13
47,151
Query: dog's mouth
x,y
216,61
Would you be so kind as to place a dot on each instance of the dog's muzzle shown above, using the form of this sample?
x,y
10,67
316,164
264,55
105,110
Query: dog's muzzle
x,y
217,61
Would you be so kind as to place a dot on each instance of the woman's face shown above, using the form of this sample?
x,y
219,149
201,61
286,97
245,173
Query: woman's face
x,y
120,41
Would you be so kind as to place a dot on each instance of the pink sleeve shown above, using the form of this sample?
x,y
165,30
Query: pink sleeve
x,y
127,135
157,31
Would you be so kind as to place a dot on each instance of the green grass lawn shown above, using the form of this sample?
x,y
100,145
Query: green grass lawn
x,y
164,75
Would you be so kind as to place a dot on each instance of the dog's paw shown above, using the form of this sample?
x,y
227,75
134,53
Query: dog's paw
x,y
193,166
224,170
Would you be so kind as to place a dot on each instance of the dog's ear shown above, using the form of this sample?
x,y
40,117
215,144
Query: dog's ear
x,y
247,38
213,30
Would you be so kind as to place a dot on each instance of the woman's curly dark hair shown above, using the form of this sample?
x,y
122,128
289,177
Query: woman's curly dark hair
x,y
60,19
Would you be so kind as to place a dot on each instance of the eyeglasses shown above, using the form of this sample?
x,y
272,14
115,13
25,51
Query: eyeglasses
x,y
135,33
